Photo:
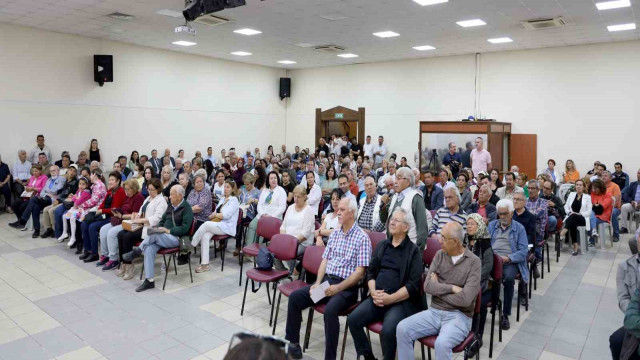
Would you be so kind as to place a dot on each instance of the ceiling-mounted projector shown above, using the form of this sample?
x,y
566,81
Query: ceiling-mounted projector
x,y
196,8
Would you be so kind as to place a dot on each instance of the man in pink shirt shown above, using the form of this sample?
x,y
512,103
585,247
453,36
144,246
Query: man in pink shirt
x,y
480,158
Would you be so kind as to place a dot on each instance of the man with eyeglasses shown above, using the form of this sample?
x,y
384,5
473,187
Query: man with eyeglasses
x,y
555,205
509,241
524,216
538,207
410,199
451,212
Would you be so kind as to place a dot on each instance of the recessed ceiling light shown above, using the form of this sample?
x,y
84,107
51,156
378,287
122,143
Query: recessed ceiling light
x,y
621,27
501,40
606,5
184,43
386,34
247,32
430,2
287,62
424,47
346,56
241,53
470,23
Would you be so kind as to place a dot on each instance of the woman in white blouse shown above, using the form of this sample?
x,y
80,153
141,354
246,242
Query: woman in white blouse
x,y
299,222
272,202
313,191
223,221
329,221
578,209
218,185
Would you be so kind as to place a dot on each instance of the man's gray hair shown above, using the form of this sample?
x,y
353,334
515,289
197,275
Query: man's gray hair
x,y
201,172
406,172
534,182
505,203
178,160
22,151
455,191
187,162
516,191
353,205
178,189
457,232
95,163
486,187
405,214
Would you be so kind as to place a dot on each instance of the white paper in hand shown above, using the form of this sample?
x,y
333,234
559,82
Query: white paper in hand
x,y
317,294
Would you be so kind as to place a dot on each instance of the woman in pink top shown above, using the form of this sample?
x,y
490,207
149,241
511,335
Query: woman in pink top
x,y
75,212
34,186
98,193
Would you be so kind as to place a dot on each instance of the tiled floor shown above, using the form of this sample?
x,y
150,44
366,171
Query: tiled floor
x,y
53,306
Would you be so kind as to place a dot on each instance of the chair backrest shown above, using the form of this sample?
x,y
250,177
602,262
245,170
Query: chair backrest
x,y
478,304
320,208
192,230
376,238
268,226
318,225
312,259
433,245
496,272
283,246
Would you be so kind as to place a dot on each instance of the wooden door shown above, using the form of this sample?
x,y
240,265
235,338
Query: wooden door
x,y
524,153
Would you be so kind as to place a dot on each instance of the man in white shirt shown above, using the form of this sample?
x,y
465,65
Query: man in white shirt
x,y
210,156
368,148
311,166
21,173
480,158
379,151
40,148
382,181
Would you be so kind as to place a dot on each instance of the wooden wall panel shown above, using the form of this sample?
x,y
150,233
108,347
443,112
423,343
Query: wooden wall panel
x,y
523,152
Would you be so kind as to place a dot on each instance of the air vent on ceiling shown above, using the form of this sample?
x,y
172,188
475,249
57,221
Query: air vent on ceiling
x,y
539,24
211,20
120,16
329,48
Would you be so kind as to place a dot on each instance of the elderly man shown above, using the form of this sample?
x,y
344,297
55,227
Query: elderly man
x,y
94,165
167,154
179,169
186,166
369,207
453,281
509,241
156,163
410,199
343,265
451,212
524,217
483,207
631,202
432,194
47,195
49,213
185,182
555,205
538,207
38,149
175,222
82,159
20,173
614,190
382,181
507,191
393,280
493,199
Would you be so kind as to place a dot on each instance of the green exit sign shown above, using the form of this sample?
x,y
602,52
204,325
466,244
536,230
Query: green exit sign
x,y
339,115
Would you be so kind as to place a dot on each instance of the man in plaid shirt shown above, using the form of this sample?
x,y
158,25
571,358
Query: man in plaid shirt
x,y
538,207
344,263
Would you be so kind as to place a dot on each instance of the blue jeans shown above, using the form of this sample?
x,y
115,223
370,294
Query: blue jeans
x,y
90,235
452,327
57,216
614,222
594,221
151,246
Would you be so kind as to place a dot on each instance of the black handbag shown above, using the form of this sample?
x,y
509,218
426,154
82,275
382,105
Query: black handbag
x,y
598,209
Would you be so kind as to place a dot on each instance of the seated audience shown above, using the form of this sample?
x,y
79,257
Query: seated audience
x,y
134,160
616,196
249,197
484,180
344,263
288,185
185,182
218,185
310,167
524,217
393,280
329,220
451,212
433,195
38,149
555,205
578,212
444,177
240,171
602,207
483,207
569,177
148,175
114,199
453,281
494,180
109,258
369,207
631,203
619,177
330,183
411,200
299,221
98,194
75,211
314,194
199,199
175,222
465,194
344,185
168,180
390,174
521,181
223,221
39,200
630,349
31,188
21,172
538,207
49,213
272,202
506,192
552,172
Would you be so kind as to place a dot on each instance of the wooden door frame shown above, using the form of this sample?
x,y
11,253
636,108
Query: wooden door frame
x,y
339,114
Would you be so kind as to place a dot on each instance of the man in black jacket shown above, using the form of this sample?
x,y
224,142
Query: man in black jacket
x,y
630,203
393,280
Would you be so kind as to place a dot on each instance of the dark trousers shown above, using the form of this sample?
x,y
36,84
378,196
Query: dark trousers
x,y
572,223
57,217
486,298
5,190
509,272
126,241
33,208
367,313
615,343
19,206
90,233
17,189
301,299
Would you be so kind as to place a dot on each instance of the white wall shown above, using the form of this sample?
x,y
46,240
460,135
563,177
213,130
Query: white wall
x,y
158,98
582,101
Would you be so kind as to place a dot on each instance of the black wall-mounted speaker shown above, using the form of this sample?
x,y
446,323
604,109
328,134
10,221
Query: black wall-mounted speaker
x,y
285,88
102,69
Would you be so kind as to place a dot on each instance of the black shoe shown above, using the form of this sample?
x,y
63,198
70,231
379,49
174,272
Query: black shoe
x,y
473,349
132,254
575,253
78,250
369,356
523,300
183,259
505,323
146,285
295,351
536,272
615,239
92,258
103,261
624,230
47,233
36,234
86,255
16,224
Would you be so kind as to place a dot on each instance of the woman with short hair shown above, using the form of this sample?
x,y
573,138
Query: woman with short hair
x,y
272,202
299,222
200,200
249,197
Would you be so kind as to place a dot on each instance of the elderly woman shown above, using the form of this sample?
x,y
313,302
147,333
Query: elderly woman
x,y
465,194
602,206
479,242
272,202
109,232
114,200
329,219
33,186
200,200
249,197
223,221
298,222
149,215
313,191
578,209
49,213
167,179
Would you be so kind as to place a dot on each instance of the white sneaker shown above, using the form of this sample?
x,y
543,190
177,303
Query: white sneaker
x,y
63,237
71,241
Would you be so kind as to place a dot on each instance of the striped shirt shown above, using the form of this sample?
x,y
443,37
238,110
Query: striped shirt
x,y
444,216
538,207
347,251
